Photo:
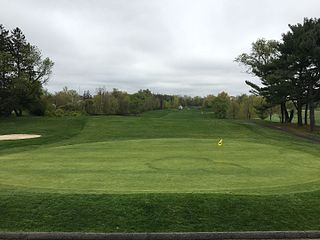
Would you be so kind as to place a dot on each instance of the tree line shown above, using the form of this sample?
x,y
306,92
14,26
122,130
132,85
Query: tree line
x,y
289,71
115,102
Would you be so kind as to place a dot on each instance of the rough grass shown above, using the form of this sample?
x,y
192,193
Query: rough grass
x,y
157,212
162,171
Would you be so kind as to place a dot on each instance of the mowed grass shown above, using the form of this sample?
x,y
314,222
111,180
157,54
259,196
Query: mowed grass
x,y
276,118
161,171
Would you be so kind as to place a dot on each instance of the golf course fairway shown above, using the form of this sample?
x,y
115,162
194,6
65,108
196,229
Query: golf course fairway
x,y
166,162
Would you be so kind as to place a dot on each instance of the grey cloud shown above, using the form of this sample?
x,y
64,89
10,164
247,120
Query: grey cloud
x,y
169,46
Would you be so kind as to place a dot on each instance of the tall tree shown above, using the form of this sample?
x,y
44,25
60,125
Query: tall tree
x,y
264,62
23,72
301,49
220,105
6,72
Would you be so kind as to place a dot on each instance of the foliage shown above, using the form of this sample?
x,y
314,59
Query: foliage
x,y
23,72
115,102
220,105
289,70
261,109
233,107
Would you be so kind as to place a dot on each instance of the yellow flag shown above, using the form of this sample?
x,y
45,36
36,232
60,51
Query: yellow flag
x,y
220,143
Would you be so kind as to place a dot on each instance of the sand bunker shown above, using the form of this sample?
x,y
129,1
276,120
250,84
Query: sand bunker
x,y
18,136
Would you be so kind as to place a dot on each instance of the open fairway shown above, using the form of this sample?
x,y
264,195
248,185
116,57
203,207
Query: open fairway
x,y
118,167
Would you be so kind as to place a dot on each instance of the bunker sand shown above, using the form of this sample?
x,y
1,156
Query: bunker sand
x,y
18,136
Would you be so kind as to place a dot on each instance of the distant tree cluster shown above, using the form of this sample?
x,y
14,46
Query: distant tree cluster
x,y
116,102
237,107
23,72
289,71
103,102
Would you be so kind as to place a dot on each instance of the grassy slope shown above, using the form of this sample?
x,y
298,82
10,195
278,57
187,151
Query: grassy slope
x,y
276,118
27,209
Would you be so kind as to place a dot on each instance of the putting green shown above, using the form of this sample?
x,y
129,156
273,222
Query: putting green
x,y
174,165
161,171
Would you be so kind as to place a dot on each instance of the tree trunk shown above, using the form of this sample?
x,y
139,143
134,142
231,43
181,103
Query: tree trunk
x,y
312,120
299,112
286,114
291,116
311,107
282,113
18,112
306,115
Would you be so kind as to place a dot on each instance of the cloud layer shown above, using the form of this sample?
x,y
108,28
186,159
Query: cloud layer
x,y
169,46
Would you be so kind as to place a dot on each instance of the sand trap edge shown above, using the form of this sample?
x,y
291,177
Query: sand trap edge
x,y
18,136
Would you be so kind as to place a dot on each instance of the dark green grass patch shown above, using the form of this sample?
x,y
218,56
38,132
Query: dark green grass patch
x,y
53,131
158,212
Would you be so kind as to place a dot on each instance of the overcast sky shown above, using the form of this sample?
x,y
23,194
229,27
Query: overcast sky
x,y
168,46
